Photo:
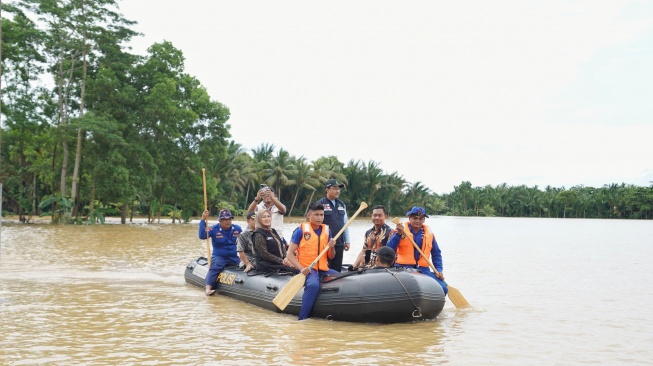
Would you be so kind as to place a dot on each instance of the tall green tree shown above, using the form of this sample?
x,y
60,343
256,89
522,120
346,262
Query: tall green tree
x,y
27,130
178,122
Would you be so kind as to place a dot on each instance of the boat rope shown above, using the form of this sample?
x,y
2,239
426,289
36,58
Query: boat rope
x,y
417,313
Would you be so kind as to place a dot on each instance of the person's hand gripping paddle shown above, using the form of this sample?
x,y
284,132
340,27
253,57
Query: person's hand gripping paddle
x,y
454,295
296,283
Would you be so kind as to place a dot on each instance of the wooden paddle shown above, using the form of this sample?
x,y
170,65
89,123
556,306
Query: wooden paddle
x,y
296,283
455,296
206,208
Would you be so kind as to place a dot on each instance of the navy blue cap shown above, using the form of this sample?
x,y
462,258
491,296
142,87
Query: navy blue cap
x,y
418,211
333,182
225,214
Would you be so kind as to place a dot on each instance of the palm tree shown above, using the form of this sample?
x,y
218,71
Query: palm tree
x,y
230,173
302,178
356,182
263,153
375,179
326,168
395,185
417,195
278,170
436,205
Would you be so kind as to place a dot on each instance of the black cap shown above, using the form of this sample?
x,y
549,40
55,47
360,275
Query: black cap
x,y
333,182
386,254
251,215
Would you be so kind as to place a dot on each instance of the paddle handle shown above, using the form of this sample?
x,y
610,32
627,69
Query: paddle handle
x,y
396,221
206,207
360,208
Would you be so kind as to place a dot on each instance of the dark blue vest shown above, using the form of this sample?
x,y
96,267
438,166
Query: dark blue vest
x,y
335,218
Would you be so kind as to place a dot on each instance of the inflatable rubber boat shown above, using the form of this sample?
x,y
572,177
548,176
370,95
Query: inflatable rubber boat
x,y
393,295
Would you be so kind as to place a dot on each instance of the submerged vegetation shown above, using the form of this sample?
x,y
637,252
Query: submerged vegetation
x,y
112,133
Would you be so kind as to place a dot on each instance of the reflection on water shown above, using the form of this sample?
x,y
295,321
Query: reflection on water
x,y
543,291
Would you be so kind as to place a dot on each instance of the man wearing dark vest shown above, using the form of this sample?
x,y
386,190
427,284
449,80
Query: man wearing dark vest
x,y
335,216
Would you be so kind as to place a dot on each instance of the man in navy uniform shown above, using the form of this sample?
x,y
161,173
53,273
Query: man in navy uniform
x,y
335,215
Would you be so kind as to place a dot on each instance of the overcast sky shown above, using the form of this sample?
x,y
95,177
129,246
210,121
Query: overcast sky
x,y
527,92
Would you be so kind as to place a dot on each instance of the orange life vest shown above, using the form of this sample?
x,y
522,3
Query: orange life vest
x,y
312,245
406,250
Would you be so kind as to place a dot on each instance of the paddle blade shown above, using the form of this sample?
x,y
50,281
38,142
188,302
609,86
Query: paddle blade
x,y
289,291
457,298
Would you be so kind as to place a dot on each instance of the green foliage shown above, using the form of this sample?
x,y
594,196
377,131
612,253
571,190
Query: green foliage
x,y
172,212
100,212
146,128
59,209
186,215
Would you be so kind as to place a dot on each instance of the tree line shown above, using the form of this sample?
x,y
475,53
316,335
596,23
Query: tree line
x,y
91,130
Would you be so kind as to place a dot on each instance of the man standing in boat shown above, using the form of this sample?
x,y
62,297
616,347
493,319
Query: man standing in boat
x,y
335,216
375,238
223,238
309,241
408,255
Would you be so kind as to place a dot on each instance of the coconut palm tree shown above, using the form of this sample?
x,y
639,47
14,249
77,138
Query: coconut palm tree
x,y
393,190
356,182
326,168
375,179
303,178
263,153
417,195
277,171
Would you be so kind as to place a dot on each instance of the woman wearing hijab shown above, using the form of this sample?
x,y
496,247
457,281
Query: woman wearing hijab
x,y
268,246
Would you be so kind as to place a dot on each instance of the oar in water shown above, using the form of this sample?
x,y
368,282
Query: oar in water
x,y
454,295
296,283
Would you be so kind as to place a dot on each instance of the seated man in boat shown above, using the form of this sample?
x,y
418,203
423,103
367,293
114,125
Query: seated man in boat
x,y
245,246
223,239
269,248
309,241
408,255
385,258
375,238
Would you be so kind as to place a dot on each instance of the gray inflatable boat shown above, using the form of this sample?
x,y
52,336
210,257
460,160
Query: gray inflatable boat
x,y
394,295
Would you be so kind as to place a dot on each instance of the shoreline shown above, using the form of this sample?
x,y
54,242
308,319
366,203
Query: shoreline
x,y
140,220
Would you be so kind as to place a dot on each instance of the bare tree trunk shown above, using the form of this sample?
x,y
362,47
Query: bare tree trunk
x,y
0,103
309,202
80,134
246,200
78,155
62,121
293,203
34,200
91,202
123,213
